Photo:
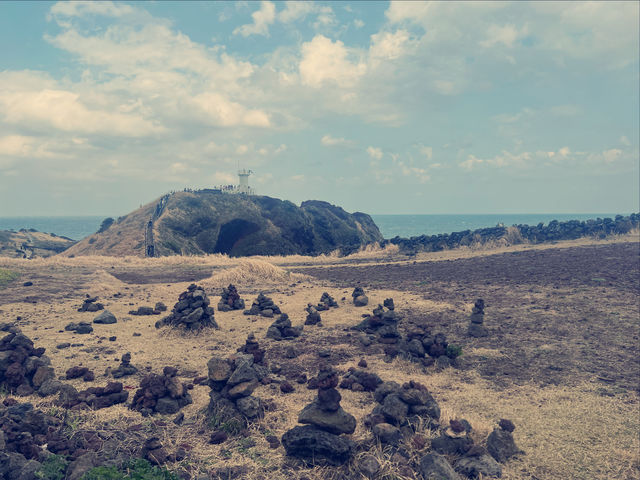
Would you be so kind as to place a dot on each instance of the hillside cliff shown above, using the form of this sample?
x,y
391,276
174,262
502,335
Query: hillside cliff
x,y
202,222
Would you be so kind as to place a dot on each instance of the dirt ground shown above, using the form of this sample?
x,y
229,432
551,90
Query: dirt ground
x,y
562,358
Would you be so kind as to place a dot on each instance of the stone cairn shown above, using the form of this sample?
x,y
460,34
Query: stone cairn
x,y
93,397
319,441
326,302
230,299
313,316
403,406
359,298
191,312
500,442
145,310
23,368
125,368
281,329
251,347
360,381
90,304
476,319
163,394
232,382
264,306
383,323
423,347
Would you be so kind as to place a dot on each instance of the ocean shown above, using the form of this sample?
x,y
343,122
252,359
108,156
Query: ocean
x,y
390,225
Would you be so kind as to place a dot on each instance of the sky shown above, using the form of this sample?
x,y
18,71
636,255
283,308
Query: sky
x,y
385,108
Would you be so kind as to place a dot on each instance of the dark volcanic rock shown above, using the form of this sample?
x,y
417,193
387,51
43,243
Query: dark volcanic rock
x,y
230,299
125,368
105,317
144,310
191,312
281,329
264,306
317,447
501,444
436,467
163,394
90,304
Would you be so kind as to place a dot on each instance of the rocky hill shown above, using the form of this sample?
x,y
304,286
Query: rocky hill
x,y
31,244
206,221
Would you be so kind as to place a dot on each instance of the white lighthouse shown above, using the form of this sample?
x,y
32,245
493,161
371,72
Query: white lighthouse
x,y
243,185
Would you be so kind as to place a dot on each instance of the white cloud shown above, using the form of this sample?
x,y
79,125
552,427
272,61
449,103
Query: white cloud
x,y
389,46
375,152
611,155
358,23
426,151
329,141
505,35
82,8
261,20
625,141
296,10
470,163
222,112
326,61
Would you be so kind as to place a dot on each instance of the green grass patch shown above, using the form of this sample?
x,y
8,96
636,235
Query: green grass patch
x,y
138,469
7,276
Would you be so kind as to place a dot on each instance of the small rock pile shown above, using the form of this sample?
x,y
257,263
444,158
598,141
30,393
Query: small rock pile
x,y
232,382
144,310
360,381
80,328
313,316
359,298
251,347
105,318
319,441
23,368
125,368
476,319
90,304
423,347
191,312
383,323
264,306
93,397
401,406
230,299
500,442
23,431
326,302
78,371
281,329
163,394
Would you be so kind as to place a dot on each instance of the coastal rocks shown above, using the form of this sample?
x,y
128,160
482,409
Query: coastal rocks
x,y
401,406
359,298
476,328
81,328
230,299
191,312
23,368
281,329
500,442
232,382
313,316
319,442
251,347
94,397
163,394
90,304
125,368
264,306
105,318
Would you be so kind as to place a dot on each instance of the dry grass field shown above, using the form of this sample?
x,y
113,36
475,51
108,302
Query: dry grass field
x,y
561,362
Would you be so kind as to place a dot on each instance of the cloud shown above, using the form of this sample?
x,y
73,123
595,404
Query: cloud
x,y
470,163
625,141
426,151
329,141
389,46
83,8
358,23
505,35
261,20
375,153
220,111
296,10
326,61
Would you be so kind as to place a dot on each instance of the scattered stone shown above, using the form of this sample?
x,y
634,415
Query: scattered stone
x,y
264,306
163,394
369,466
313,316
105,317
76,372
359,380
160,307
191,312
476,328
90,304
63,345
319,442
143,310
362,363
281,329
81,328
125,368
218,437
230,300
359,298
274,442
27,284
477,462
436,467
286,387
154,452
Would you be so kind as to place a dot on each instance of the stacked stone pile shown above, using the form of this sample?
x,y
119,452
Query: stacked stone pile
x,y
383,323
423,347
476,320
281,329
145,310
313,316
326,302
251,347
164,394
500,443
360,381
24,369
232,382
94,397
191,312
398,406
90,304
359,298
125,368
230,299
320,440
264,306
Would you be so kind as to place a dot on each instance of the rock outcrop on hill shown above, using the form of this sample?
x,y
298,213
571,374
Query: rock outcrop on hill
x,y
31,243
207,221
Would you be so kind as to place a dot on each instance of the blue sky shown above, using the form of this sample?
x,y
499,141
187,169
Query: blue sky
x,y
401,107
